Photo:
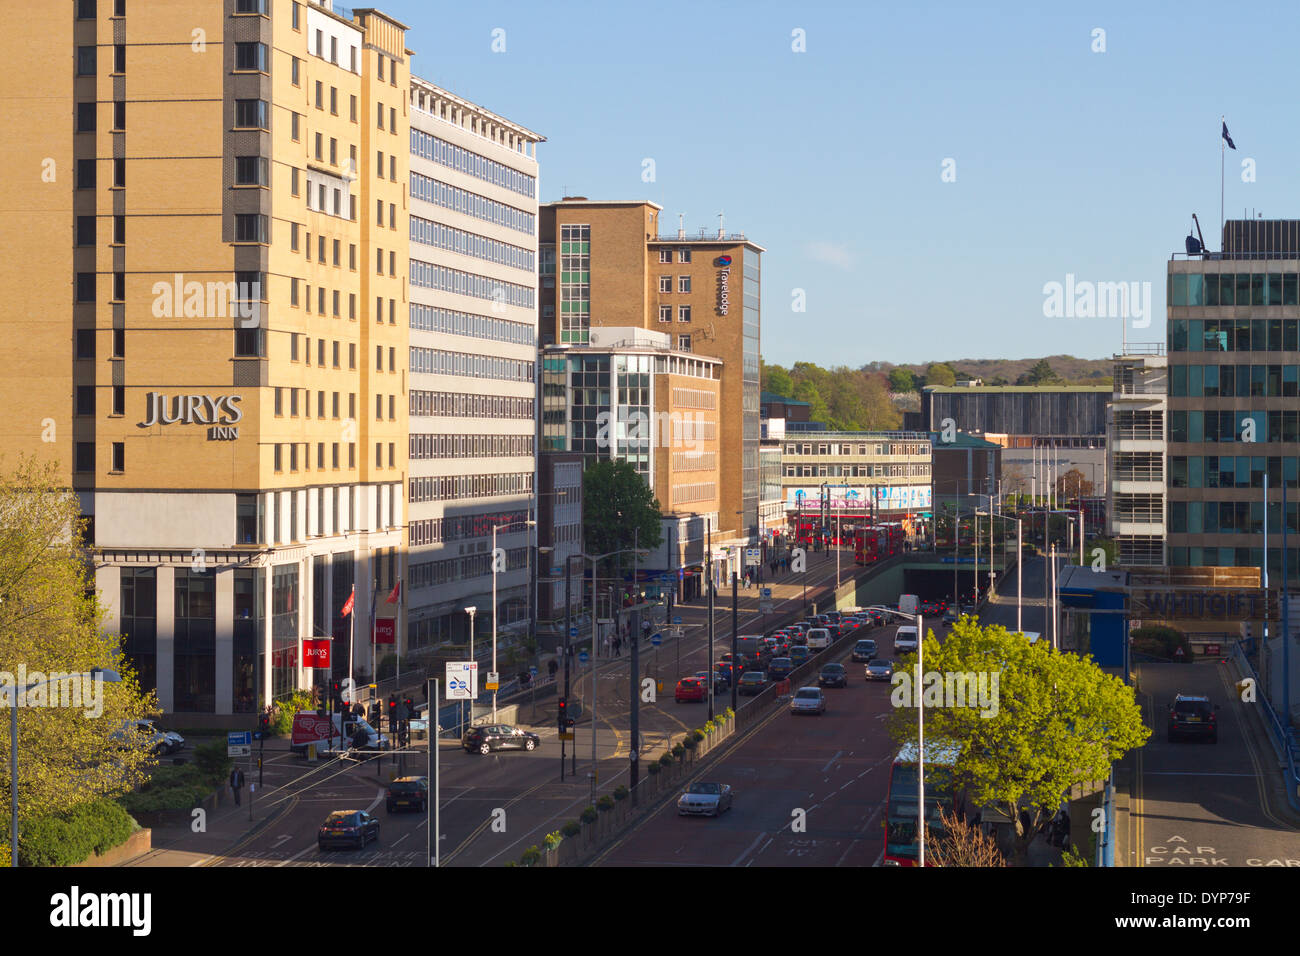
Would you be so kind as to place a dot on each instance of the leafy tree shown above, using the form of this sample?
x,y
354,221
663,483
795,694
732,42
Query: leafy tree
x,y
619,510
1041,374
806,391
1072,484
777,381
901,380
940,373
1059,721
51,623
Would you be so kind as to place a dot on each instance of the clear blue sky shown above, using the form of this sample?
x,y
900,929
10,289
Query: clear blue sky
x,y
1067,161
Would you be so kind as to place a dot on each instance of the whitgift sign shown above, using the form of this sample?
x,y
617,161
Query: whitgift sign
x,y
222,412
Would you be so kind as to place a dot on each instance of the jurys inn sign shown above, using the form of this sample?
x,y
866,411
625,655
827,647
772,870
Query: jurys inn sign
x,y
221,412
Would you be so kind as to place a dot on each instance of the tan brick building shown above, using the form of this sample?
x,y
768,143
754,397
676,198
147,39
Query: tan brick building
x,y
604,264
228,299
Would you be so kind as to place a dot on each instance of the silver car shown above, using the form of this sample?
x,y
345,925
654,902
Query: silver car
x,y
808,700
880,670
704,800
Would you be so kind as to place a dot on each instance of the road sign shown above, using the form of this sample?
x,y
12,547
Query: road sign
x,y
573,632
656,639
532,672
583,657
566,735
462,680
493,680
677,620
239,743
753,557
765,593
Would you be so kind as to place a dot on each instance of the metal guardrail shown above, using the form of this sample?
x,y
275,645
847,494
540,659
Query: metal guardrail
x,y
1283,739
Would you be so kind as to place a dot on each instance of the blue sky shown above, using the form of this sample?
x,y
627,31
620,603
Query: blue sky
x,y
1067,161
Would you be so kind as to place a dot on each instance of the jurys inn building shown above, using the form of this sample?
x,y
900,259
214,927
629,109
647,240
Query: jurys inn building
x,y
214,217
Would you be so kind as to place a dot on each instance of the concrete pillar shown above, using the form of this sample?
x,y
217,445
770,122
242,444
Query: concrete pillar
x,y
166,638
225,640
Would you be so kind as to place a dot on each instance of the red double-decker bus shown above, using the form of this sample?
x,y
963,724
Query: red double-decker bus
x,y
874,542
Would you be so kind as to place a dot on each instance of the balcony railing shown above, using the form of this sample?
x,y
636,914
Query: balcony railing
x,y
1140,433
709,235
1141,388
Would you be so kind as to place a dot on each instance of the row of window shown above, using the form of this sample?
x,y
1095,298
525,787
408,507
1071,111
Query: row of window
x,y
425,574
702,491
856,448
472,204
666,283
1227,288
473,365
666,313
428,146
463,527
1231,471
1236,558
1234,381
1231,425
695,460
1234,335
463,405
84,457
683,255
279,456
426,446
457,487
426,275
1229,517
857,471
441,236
428,318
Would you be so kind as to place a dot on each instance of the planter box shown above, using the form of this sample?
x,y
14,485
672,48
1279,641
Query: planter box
x,y
137,844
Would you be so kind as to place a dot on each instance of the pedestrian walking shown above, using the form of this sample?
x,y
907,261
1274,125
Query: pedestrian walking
x,y
551,667
236,782
618,647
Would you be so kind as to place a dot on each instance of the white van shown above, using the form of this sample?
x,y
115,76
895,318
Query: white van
x,y
905,639
330,732
819,638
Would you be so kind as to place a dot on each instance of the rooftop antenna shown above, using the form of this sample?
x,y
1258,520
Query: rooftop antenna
x,y
681,225
720,232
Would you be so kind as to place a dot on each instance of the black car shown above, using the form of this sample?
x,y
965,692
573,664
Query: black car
x,y
347,828
492,737
779,668
864,650
833,675
1193,716
412,792
751,683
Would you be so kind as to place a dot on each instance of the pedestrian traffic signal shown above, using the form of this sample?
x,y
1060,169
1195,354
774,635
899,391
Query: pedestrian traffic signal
x,y
564,712
410,706
336,690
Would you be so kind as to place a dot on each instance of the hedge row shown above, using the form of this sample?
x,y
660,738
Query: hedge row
x,y
66,839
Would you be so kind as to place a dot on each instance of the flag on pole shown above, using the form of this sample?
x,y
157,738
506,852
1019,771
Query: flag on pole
x,y
396,596
347,606
1227,138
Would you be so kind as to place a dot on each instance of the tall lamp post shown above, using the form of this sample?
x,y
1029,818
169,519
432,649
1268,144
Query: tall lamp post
x,y
495,529
17,694
471,611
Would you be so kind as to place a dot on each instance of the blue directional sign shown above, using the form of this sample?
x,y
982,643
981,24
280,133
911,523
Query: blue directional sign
x,y
656,639
532,671
573,632
677,620
583,657
239,738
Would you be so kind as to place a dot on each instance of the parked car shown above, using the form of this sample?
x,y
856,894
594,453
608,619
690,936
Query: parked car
x,y
1193,716
880,669
833,675
690,689
347,828
410,792
751,683
704,799
490,737
808,700
779,668
864,650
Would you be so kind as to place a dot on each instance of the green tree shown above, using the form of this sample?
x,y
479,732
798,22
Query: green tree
x,y
1056,721
901,380
806,391
619,510
1041,374
777,381
940,373
77,747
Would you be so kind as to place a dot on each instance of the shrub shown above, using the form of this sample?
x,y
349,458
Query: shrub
x,y
730,713
282,724
620,792
605,803
68,838
530,856
691,741
589,814
553,840
666,760
678,749
654,767
710,727
213,762
571,829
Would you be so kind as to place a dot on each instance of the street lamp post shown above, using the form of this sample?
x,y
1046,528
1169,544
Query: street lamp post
x,y
495,528
471,611
16,695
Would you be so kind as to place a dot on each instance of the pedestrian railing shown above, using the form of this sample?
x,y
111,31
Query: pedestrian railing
x,y
1284,741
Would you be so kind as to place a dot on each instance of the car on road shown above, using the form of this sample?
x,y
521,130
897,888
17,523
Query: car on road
x,y
864,650
719,684
808,700
1193,716
905,638
819,638
833,675
779,668
490,737
799,639
751,683
690,689
740,659
950,616
704,800
347,828
799,653
410,792
879,669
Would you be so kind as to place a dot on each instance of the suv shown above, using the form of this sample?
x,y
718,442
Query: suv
x,y
410,792
1193,716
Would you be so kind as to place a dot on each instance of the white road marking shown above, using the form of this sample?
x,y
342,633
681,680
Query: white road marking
x,y
305,849
831,762
745,852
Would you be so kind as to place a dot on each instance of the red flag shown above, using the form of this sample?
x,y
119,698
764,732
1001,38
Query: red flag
x,y
396,595
347,607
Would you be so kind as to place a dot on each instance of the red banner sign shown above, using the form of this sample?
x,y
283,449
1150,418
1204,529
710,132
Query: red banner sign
x,y
316,653
385,630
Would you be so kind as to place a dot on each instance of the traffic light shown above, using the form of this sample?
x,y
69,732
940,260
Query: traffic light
x,y
336,691
564,713
409,705
263,722
392,713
